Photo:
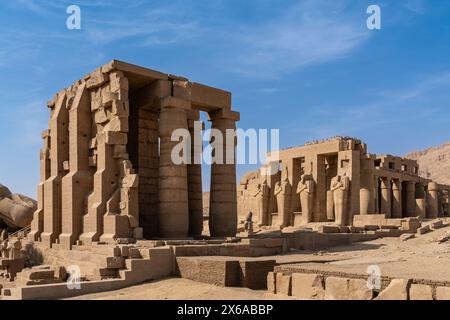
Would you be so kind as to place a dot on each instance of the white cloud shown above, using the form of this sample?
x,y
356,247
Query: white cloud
x,y
308,33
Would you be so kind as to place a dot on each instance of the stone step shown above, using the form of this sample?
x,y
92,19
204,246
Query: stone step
x,y
424,229
155,253
134,253
138,270
137,264
107,273
114,263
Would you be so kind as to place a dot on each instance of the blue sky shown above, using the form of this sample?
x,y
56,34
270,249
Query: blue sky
x,y
310,68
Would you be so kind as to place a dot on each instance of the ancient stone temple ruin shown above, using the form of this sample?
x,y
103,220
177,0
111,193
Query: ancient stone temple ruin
x,y
106,168
334,181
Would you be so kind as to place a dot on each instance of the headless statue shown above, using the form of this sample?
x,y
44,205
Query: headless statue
x,y
262,195
305,190
283,193
249,223
340,186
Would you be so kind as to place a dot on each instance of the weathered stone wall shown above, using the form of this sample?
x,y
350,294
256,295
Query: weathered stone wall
x,y
88,189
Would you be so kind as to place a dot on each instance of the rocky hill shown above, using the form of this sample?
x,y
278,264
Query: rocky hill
x,y
434,163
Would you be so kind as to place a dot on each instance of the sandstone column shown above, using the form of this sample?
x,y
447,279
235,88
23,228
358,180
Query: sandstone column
x,y
441,202
59,153
376,186
386,189
432,201
397,210
410,202
366,197
421,208
223,197
173,206
37,225
77,184
194,175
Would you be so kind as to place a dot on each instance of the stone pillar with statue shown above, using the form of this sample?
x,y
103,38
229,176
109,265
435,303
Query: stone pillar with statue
x,y
282,193
305,190
340,185
262,197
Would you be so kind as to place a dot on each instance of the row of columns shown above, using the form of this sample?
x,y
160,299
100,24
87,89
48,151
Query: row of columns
x,y
397,203
179,214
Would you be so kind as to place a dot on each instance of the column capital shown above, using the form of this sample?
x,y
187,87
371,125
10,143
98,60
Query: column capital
x,y
386,183
397,184
172,102
432,186
411,186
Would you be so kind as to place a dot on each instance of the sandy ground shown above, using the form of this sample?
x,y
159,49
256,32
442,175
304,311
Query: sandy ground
x,y
176,289
419,258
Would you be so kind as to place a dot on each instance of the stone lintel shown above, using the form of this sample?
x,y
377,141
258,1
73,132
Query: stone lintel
x,y
224,114
209,99
135,70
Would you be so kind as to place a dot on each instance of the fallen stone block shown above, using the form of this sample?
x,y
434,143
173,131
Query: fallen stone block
x,y
424,229
398,289
32,274
407,236
308,286
410,225
437,224
420,292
